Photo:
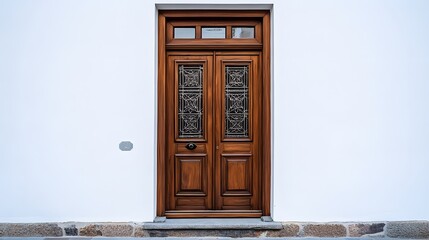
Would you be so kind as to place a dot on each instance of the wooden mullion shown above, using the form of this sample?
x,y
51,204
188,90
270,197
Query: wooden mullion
x,y
198,32
228,32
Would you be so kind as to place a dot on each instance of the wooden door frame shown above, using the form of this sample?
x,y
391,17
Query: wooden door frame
x,y
264,15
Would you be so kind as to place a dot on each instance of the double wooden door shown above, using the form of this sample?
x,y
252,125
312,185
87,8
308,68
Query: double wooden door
x,y
213,166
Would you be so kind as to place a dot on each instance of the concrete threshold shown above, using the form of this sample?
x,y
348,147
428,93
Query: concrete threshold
x,y
213,223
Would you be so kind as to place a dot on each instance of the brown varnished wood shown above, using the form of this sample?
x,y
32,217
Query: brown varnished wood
x,y
237,176
234,180
238,53
228,31
190,53
181,148
220,22
266,116
200,14
213,44
162,122
190,175
237,148
214,214
170,131
236,203
168,32
236,170
239,166
189,203
181,182
227,43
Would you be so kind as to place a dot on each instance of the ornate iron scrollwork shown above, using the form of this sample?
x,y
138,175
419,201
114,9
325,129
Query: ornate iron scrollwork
x,y
236,102
190,109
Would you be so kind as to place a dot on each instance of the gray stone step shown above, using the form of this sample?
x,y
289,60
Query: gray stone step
x,y
214,223
179,238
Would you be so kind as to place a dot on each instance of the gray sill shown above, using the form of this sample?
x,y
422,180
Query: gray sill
x,y
213,223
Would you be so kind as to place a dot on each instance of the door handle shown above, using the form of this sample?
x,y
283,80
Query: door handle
x,y
191,146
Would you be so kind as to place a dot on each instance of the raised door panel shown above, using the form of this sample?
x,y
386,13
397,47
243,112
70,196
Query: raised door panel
x,y
191,175
191,182
237,175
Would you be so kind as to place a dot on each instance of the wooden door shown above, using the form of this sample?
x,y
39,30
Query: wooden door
x,y
190,135
213,131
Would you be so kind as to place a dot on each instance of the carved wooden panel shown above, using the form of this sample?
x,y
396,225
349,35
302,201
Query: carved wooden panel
x,y
238,131
236,176
191,175
214,104
215,95
189,169
191,203
234,203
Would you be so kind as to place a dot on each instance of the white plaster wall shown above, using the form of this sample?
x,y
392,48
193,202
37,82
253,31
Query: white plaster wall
x,y
350,109
77,78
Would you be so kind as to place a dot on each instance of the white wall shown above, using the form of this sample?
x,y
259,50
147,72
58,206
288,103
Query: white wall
x,y
350,112
77,78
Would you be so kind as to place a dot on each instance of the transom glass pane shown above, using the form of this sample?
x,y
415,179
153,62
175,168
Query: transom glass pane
x,y
213,32
184,32
243,32
236,102
190,109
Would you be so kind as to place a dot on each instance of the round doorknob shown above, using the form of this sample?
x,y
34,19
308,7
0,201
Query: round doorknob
x,y
191,146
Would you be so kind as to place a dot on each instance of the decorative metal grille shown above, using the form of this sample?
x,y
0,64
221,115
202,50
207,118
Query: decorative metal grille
x,y
236,102
190,111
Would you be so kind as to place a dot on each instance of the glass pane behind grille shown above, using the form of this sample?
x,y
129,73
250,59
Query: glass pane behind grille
x,y
190,111
236,102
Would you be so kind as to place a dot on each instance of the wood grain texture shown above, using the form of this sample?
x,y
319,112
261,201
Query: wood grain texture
x,y
266,115
161,133
200,182
214,214
191,175
237,175
214,14
237,162
189,172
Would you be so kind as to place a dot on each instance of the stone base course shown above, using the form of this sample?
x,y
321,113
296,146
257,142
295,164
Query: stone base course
x,y
405,229
324,230
418,229
107,230
359,230
30,230
289,230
